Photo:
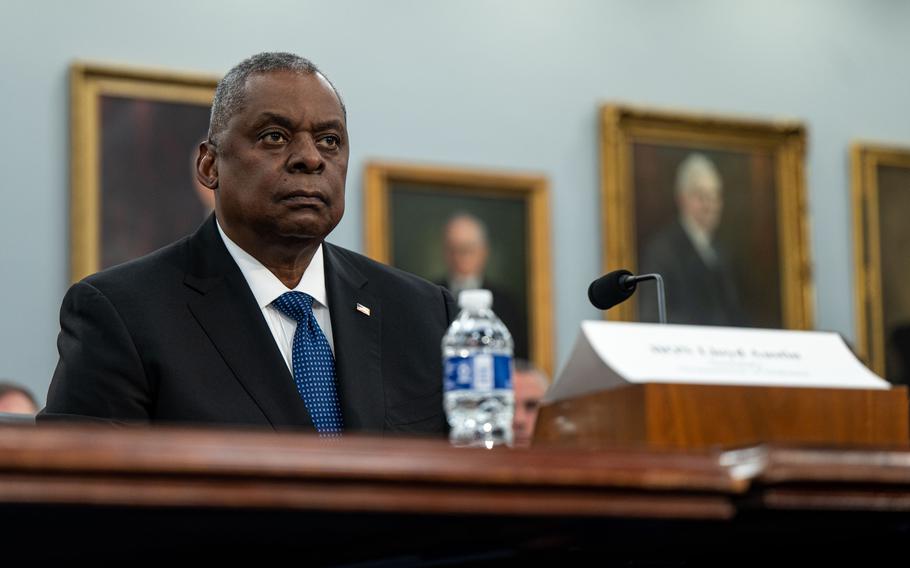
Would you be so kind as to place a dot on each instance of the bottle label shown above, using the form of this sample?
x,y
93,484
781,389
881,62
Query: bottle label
x,y
483,372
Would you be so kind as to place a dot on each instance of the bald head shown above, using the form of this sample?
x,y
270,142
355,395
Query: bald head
x,y
16,399
466,247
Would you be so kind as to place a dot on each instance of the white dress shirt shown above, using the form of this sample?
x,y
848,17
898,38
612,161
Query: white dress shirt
x,y
700,240
457,285
267,288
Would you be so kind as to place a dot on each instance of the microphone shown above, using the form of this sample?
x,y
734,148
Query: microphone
x,y
619,285
611,289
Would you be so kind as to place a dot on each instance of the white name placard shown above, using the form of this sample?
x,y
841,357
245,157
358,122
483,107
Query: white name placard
x,y
612,354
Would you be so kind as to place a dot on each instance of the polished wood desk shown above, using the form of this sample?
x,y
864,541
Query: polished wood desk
x,y
79,491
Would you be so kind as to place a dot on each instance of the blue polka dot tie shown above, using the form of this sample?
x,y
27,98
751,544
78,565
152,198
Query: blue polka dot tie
x,y
313,363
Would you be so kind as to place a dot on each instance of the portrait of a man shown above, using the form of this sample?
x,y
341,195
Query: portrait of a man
x,y
695,266
713,205
466,250
465,229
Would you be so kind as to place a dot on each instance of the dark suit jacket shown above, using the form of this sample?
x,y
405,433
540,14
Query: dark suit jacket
x,y
177,337
697,294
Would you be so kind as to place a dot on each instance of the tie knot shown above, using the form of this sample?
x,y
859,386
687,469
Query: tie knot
x,y
296,305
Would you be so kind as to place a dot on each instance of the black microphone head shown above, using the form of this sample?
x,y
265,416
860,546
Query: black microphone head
x,y
611,289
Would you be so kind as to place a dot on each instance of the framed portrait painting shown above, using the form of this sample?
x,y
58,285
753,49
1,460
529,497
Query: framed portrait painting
x,y
134,134
881,202
715,205
463,229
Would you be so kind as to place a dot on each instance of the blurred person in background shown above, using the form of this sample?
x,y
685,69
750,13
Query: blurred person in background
x,y
530,384
16,399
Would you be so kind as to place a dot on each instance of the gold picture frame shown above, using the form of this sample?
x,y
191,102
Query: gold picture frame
x,y
642,148
91,85
418,198
876,207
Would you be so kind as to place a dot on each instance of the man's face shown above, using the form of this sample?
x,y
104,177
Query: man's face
x,y
703,203
280,164
465,248
529,389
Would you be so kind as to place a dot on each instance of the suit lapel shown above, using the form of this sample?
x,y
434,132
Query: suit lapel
x,y
226,309
358,363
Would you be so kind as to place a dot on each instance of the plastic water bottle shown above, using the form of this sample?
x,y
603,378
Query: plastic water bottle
x,y
477,362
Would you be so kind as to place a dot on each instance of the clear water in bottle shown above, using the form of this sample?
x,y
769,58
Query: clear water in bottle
x,y
477,360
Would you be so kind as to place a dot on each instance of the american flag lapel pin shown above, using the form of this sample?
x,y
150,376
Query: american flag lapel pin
x,y
363,309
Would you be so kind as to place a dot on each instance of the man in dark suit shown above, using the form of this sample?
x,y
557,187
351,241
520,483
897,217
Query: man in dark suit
x,y
697,271
254,319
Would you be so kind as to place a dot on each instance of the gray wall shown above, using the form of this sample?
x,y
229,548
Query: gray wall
x,y
507,84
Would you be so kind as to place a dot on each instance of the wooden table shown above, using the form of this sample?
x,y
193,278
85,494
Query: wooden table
x,y
118,494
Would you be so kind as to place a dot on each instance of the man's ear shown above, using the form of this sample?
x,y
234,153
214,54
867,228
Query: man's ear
x,y
206,165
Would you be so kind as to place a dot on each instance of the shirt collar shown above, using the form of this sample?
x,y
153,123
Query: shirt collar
x,y
695,233
467,283
266,287
700,239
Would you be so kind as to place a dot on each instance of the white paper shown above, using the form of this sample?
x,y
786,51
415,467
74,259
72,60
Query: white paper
x,y
612,354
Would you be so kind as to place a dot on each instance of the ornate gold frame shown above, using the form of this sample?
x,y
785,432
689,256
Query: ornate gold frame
x,y
867,259
534,189
623,125
88,82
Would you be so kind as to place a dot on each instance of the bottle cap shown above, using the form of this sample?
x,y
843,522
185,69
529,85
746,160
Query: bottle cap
x,y
475,299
